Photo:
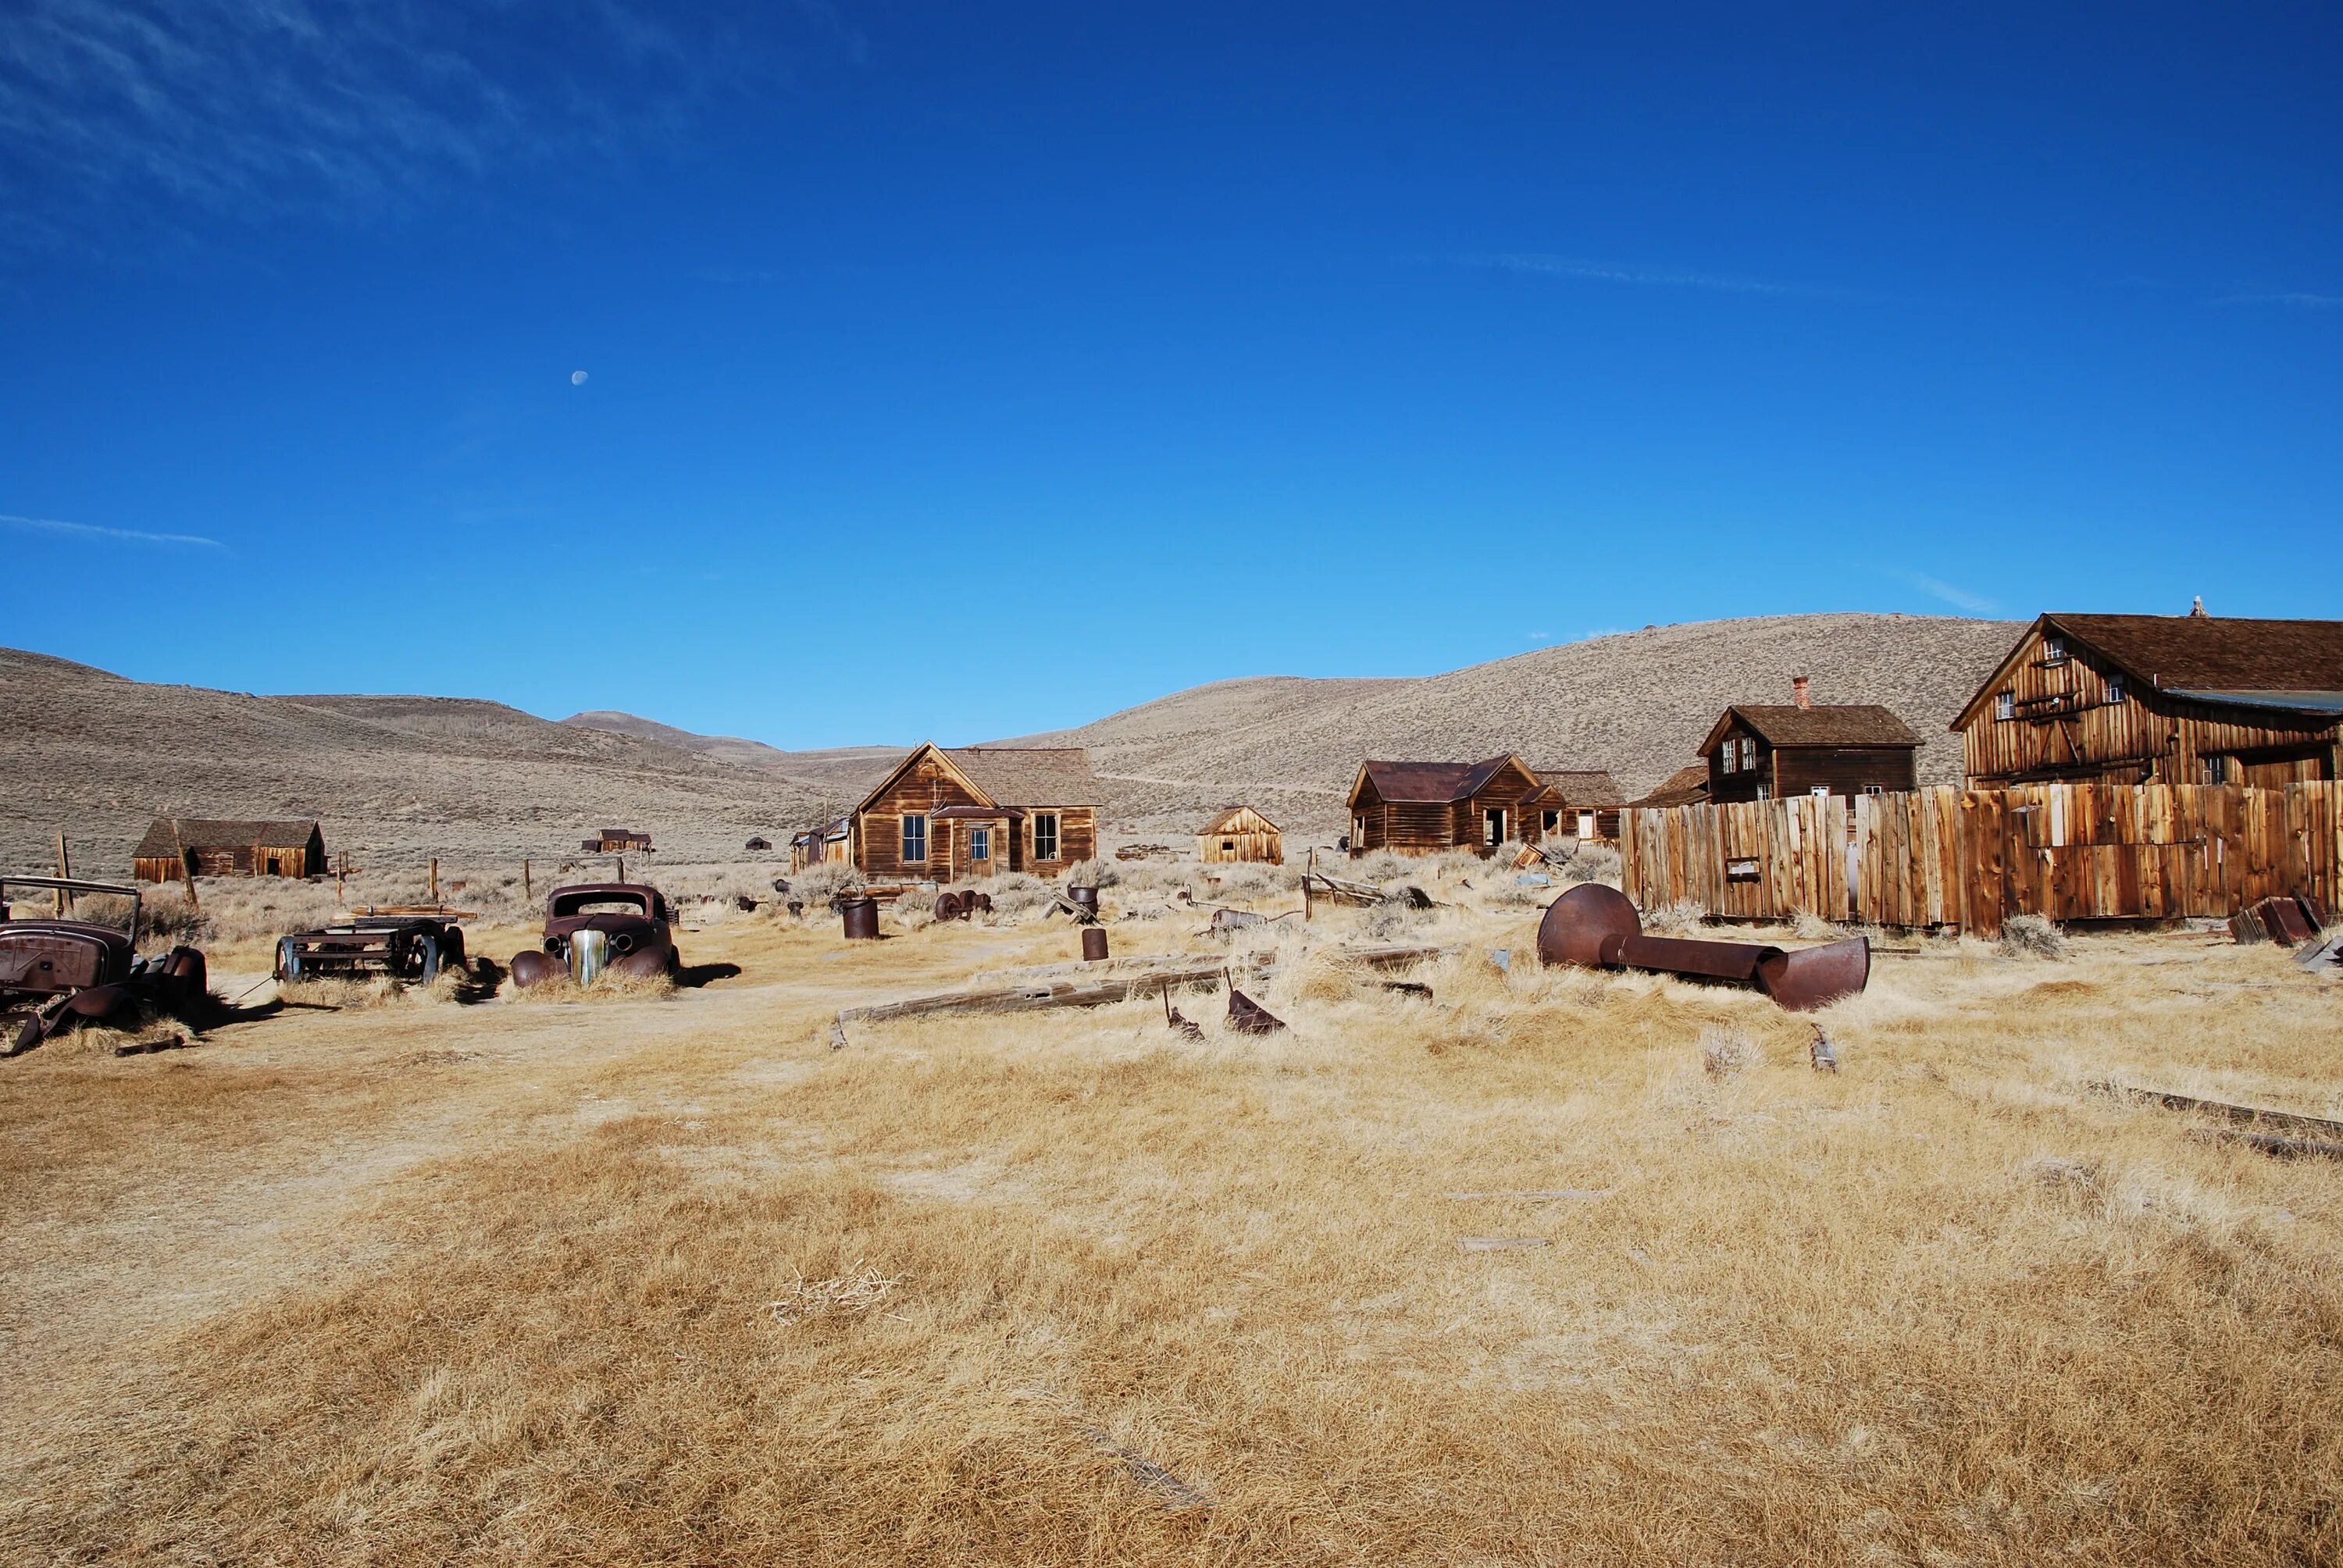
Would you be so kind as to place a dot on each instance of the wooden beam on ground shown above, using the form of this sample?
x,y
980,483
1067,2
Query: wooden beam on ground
x,y
2283,1121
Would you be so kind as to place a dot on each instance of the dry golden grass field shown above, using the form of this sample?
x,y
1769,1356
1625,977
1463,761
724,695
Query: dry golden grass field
x,y
666,1278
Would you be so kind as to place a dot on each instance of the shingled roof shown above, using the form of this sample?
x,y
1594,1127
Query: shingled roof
x,y
1687,786
1582,786
1822,726
2225,654
1029,776
1431,783
213,833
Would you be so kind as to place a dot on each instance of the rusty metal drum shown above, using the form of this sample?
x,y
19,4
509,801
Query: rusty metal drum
x,y
862,918
1093,943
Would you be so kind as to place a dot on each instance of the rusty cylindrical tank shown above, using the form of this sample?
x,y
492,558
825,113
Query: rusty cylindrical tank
x,y
1093,943
861,917
1086,896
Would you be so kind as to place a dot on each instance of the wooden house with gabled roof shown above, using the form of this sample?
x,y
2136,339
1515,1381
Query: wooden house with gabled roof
x,y
1762,751
1425,808
1241,836
175,847
966,812
2170,699
1575,803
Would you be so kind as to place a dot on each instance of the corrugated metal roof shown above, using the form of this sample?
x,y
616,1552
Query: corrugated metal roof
x,y
216,833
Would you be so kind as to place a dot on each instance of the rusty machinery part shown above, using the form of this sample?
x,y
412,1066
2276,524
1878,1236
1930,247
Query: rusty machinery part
x,y
979,903
1093,944
1596,926
1247,1016
1086,898
402,948
860,917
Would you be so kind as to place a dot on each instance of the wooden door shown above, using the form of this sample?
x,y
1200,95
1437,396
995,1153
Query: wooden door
x,y
983,839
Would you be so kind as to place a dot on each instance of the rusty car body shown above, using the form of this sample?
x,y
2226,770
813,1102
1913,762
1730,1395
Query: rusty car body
x,y
61,971
593,927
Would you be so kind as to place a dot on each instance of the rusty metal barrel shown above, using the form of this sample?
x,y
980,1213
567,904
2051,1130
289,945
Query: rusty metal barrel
x,y
861,917
1086,896
1093,943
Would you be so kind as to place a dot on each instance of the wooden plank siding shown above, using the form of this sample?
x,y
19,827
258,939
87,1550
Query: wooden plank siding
x,y
1970,858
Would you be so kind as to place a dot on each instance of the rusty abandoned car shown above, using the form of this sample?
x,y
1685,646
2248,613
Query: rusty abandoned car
x,y
623,928
406,947
60,972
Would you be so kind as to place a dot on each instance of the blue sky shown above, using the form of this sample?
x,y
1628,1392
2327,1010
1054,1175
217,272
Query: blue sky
x,y
967,370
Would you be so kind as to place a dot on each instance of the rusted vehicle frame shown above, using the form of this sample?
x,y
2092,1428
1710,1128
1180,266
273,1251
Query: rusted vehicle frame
x,y
581,943
405,947
59,972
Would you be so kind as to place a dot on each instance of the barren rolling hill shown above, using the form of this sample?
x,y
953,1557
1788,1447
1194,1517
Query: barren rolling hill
x,y
842,772
393,779
1637,704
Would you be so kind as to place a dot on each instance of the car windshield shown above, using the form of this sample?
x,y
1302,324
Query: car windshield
x,y
600,903
20,903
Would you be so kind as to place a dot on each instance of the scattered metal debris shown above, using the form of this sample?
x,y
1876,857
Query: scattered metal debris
x,y
148,1047
962,906
1596,926
1820,1053
1175,1020
2286,919
1409,988
60,972
1247,1016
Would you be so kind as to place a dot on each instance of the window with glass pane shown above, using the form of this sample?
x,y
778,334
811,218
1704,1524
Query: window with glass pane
x,y
915,838
1045,837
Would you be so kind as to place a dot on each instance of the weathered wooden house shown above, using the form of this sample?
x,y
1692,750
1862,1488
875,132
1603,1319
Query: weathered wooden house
x,y
830,844
974,811
1758,752
2177,699
1687,786
1573,804
1241,836
176,845
1425,807
618,841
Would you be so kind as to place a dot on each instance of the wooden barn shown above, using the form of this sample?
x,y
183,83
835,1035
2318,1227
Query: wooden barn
x,y
618,841
1574,804
176,845
2168,698
1425,807
974,811
1241,836
1758,752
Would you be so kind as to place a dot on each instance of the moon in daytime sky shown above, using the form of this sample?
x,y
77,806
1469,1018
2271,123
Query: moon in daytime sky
x,y
577,378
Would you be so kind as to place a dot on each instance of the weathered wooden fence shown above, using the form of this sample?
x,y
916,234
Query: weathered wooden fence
x,y
1971,857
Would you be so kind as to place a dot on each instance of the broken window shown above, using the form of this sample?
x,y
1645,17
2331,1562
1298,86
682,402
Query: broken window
x,y
2004,705
1045,836
1741,871
1731,758
2054,650
1550,821
915,838
2114,688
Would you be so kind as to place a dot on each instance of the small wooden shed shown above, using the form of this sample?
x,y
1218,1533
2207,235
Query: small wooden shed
x,y
208,847
1241,836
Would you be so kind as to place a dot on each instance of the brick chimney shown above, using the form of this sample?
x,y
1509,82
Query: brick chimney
x,y
1800,692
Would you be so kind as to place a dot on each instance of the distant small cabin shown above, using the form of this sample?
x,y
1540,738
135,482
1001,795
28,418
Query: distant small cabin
x,y
618,841
1576,804
1687,786
1425,808
1241,836
969,812
2165,698
757,845
1759,752
176,847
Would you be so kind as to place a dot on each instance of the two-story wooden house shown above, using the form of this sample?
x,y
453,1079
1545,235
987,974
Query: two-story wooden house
x,y
2178,699
1763,752
974,811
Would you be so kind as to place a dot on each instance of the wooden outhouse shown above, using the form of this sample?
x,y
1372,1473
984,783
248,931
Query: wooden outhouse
x,y
1241,836
2173,698
974,811
206,847
1425,808
1762,752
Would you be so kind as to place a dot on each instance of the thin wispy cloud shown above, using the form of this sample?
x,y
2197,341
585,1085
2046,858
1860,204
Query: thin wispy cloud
x,y
245,107
2293,301
1584,270
93,531
1947,593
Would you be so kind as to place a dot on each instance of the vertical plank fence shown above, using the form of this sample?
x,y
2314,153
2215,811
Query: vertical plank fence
x,y
1970,858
